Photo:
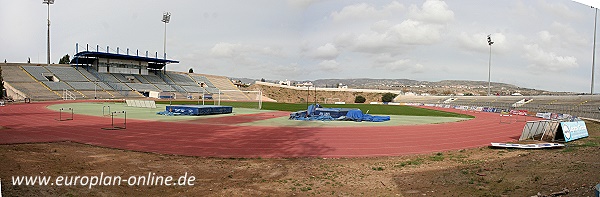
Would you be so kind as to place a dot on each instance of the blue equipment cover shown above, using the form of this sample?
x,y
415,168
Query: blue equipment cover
x,y
316,112
196,110
358,116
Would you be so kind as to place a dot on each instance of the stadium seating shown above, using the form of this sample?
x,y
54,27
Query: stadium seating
x,y
141,79
182,79
15,74
152,78
194,89
38,72
66,73
165,87
202,79
142,87
50,81
57,86
33,90
82,86
227,88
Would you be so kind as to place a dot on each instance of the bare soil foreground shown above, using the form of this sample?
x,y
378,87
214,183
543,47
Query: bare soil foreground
x,y
572,171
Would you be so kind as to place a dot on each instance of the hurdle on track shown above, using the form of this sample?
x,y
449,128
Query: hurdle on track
x,y
60,112
524,119
106,113
112,121
505,117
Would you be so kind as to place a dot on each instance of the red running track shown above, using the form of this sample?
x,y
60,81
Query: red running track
x,y
29,123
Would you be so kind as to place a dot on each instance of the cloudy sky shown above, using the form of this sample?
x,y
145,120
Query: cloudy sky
x,y
544,44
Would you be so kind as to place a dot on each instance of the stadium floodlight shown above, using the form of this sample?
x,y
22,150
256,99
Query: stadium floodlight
x,y
48,2
594,52
166,19
489,39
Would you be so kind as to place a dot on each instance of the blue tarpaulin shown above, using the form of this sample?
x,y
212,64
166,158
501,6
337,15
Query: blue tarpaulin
x,y
358,116
316,112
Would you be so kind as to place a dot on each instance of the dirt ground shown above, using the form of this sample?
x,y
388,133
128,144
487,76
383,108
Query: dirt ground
x,y
472,172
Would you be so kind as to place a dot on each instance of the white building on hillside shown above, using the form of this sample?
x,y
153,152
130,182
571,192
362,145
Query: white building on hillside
x,y
305,84
285,83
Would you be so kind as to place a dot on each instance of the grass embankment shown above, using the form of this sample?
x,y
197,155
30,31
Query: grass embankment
x,y
373,109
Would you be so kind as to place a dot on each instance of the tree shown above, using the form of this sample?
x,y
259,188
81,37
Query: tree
x,y
262,80
388,97
191,70
360,99
65,59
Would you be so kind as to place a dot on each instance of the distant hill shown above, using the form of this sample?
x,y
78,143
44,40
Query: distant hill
x,y
444,87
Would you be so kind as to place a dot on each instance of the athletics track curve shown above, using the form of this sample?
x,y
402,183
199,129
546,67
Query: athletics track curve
x,y
33,122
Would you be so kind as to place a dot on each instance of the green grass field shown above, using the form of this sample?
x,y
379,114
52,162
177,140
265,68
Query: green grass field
x,y
373,109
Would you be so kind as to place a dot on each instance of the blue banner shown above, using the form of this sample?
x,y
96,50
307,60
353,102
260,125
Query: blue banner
x,y
574,130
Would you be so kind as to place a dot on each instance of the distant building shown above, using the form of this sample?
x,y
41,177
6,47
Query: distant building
x,y
285,83
305,84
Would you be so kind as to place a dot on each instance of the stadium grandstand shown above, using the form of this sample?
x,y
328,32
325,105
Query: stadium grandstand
x,y
578,105
105,75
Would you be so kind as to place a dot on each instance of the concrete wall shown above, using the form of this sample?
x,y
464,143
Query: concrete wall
x,y
13,93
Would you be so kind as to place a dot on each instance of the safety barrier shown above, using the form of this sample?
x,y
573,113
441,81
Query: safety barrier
x,y
539,130
141,103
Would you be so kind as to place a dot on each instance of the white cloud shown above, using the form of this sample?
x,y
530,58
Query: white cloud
x,y
542,60
381,26
329,65
230,50
392,63
520,9
415,32
302,4
568,35
292,70
562,36
394,39
327,51
560,9
433,11
546,36
223,49
423,27
366,11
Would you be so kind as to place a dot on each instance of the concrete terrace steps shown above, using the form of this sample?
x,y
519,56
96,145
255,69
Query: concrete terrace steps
x,y
41,90
32,80
15,73
35,91
91,78
223,83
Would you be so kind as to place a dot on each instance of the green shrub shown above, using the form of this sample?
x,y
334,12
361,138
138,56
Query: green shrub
x,y
360,99
388,97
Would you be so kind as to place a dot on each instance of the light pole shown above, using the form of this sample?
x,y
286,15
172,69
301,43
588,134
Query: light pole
x,y
48,2
489,39
166,18
594,52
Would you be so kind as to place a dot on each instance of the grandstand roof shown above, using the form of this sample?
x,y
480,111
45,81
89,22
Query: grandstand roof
x,y
87,54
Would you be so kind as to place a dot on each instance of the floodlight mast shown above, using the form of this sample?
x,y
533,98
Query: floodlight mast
x,y
594,52
48,2
166,18
489,39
